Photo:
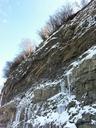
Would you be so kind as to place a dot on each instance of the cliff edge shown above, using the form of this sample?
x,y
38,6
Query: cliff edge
x,y
56,85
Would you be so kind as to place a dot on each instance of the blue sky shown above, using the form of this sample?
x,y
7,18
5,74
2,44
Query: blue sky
x,y
21,19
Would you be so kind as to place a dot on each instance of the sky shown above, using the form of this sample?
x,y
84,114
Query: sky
x,y
22,19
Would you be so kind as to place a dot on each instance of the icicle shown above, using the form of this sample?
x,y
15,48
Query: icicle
x,y
69,83
11,120
60,108
1,99
25,117
62,84
29,112
17,119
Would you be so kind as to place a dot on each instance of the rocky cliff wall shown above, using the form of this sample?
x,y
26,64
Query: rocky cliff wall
x,y
56,86
75,36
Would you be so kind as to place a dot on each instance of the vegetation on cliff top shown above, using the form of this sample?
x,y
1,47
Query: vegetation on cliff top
x,y
26,50
65,14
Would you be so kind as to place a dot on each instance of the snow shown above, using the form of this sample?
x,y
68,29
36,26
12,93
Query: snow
x,y
52,37
93,122
70,125
48,84
82,110
59,116
55,117
62,115
85,56
85,22
54,46
57,111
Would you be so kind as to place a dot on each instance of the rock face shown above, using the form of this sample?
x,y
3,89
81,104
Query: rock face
x,y
56,86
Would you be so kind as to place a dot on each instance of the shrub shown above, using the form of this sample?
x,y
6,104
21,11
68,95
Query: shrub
x,y
27,50
43,34
27,47
7,68
65,14
56,21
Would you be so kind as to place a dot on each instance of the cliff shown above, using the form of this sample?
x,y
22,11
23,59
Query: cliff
x,y
56,86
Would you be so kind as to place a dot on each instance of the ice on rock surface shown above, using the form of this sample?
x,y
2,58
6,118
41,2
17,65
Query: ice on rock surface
x,y
55,109
70,125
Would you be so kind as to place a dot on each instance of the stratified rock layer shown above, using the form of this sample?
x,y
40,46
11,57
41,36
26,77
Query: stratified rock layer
x,y
56,86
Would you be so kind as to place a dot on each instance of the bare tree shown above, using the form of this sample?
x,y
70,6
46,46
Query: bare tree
x,y
65,13
7,69
26,46
56,21
44,33
27,50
